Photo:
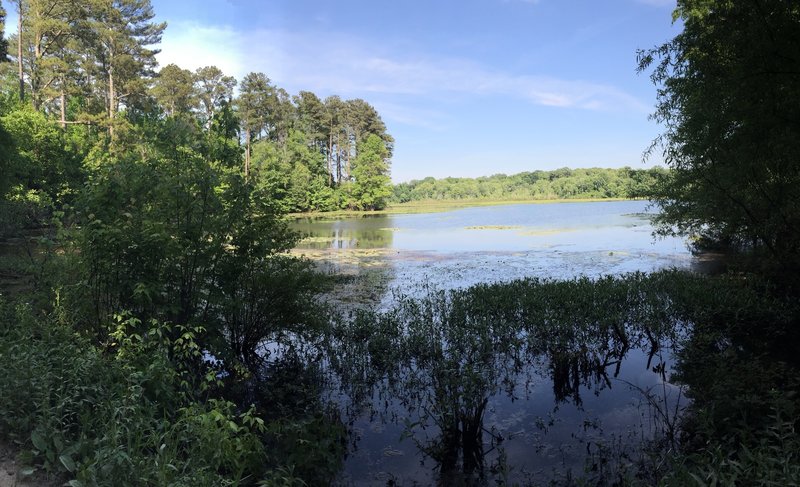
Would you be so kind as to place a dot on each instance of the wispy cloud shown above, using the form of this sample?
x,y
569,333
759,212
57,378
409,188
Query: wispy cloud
x,y
346,65
406,114
335,63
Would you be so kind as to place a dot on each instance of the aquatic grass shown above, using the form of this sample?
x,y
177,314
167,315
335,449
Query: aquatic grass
x,y
441,355
494,227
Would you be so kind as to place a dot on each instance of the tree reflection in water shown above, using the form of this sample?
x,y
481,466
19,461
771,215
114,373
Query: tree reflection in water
x,y
444,356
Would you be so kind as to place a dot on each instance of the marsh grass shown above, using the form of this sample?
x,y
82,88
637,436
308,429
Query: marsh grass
x,y
441,356
445,354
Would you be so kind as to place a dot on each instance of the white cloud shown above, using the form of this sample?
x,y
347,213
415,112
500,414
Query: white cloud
x,y
337,64
192,46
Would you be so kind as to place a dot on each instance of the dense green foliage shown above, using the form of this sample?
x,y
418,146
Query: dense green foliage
x,y
727,85
149,267
152,288
91,66
727,89
102,418
562,183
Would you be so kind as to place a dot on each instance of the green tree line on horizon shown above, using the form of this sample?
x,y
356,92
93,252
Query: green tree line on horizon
x,y
563,183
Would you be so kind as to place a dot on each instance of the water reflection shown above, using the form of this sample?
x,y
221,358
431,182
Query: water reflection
x,y
496,383
562,356
474,245
597,226
369,232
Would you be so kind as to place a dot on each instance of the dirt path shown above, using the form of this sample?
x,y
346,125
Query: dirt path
x,y
10,472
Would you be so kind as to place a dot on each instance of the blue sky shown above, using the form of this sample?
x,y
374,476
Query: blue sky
x,y
466,87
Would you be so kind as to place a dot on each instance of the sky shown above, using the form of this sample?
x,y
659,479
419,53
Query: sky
x,y
466,87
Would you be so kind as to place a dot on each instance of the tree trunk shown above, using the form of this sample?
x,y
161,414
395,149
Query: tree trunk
x,y
338,161
111,101
247,154
19,52
347,159
63,109
35,73
330,158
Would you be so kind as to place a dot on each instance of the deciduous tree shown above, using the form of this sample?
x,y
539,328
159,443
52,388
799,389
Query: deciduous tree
x,y
728,90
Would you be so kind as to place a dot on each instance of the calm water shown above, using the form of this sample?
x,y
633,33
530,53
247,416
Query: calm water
x,y
541,433
487,244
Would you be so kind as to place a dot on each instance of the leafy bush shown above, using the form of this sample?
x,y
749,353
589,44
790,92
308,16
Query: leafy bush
x,y
117,419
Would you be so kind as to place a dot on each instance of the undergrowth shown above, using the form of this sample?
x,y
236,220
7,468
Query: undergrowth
x,y
127,417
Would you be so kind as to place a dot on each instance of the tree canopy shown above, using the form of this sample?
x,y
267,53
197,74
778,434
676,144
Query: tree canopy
x,y
3,41
92,67
728,86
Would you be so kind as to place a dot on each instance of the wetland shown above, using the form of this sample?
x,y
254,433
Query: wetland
x,y
453,249
518,343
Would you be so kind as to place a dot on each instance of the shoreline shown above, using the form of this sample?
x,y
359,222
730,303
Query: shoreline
x,y
435,206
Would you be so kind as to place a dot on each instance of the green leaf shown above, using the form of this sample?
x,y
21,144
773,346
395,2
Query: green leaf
x,y
59,444
68,463
38,441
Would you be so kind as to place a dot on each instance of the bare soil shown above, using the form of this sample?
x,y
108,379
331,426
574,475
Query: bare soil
x,y
11,474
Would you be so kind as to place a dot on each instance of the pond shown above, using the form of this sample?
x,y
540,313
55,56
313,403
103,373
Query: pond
x,y
536,403
458,248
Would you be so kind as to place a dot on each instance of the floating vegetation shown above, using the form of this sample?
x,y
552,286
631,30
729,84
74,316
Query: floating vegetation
x,y
317,239
648,216
494,227
544,232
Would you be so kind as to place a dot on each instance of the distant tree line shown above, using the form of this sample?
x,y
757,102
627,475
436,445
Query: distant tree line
x,y
561,183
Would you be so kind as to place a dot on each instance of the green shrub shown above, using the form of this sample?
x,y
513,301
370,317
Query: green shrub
x,y
116,419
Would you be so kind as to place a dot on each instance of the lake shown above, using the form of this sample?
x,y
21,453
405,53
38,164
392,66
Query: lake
x,y
531,431
458,248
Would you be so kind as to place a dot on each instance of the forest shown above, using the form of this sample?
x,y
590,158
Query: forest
x,y
564,183
155,329
91,67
